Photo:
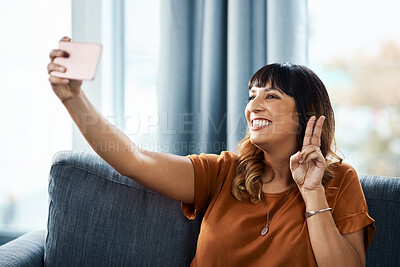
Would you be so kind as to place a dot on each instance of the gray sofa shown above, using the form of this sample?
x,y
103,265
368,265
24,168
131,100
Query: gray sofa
x,y
100,218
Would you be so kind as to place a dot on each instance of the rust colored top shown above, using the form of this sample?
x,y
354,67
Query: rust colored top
x,y
230,230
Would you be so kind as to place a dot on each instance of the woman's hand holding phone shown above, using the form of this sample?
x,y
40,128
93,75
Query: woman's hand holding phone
x,y
64,88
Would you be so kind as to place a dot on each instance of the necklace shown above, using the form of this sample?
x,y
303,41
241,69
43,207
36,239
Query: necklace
x,y
264,231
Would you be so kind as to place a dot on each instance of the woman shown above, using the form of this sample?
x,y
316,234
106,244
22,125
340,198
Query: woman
x,y
285,199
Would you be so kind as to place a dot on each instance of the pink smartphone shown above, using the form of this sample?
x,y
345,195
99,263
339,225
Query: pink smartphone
x,y
82,61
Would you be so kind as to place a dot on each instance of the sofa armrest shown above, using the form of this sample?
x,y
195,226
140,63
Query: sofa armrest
x,y
27,250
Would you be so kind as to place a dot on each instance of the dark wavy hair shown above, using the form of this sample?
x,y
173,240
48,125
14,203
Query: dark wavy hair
x,y
311,99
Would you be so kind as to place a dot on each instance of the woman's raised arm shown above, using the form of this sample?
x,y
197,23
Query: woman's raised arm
x,y
167,174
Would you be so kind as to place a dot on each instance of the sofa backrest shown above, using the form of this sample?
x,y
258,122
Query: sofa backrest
x,y
383,199
100,218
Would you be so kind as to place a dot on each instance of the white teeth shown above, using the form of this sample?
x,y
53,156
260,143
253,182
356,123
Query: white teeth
x,y
261,123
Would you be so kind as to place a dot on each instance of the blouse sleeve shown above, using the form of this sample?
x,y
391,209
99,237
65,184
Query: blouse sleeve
x,y
350,211
209,175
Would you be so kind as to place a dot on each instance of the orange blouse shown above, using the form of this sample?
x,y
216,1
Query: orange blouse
x,y
230,230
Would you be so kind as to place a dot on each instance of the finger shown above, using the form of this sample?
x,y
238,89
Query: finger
x,y
316,158
55,67
55,80
294,161
306,151
316,137
57,53
309,131
312,156
66,39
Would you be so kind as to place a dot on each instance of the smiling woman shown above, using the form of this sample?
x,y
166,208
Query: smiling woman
x,y
293,172
271,114
282,98
33,126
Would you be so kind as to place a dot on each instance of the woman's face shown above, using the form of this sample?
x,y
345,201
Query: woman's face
x,y
272,118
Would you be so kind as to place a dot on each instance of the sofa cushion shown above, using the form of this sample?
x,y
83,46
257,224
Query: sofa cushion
x,y
383,199
27,250
100,218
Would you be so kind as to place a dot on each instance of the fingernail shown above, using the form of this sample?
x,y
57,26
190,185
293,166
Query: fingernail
x,y
61,69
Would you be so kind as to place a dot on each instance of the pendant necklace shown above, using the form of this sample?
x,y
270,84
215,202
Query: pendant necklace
x,y
264,231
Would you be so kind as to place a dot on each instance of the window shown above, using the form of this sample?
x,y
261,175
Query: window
x,y
34,124
142,40
354,47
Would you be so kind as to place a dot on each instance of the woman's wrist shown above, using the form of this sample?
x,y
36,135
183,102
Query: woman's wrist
x,y
314,199
73,97
78,104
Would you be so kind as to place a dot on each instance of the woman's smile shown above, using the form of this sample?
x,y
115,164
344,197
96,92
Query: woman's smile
x,y
259,123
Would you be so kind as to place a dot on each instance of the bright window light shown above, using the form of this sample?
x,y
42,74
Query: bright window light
x,y
142,40
34,124
354,47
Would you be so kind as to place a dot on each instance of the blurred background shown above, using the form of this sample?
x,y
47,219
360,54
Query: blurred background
x,y
354,46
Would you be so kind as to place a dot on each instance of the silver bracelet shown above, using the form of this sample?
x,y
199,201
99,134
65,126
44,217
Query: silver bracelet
x,y
308,214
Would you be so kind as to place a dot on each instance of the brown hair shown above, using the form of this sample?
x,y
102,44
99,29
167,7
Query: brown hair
x,y
311,99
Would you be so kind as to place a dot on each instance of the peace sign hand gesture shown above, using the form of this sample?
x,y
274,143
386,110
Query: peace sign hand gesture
x,y
308,165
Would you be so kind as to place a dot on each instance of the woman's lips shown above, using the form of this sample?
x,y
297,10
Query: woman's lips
x,y
260,123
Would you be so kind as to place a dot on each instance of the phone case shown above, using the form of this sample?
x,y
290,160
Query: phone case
x,y
82,61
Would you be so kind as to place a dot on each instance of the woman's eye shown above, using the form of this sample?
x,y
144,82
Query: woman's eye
x,y
272,97
251,98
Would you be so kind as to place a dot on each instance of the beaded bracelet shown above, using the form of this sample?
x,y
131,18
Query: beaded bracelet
x,y
308,214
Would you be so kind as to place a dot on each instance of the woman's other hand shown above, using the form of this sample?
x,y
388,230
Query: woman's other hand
x,y
308,165
64,88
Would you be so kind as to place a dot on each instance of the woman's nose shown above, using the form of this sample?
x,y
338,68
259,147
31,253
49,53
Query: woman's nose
x,y
256,104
